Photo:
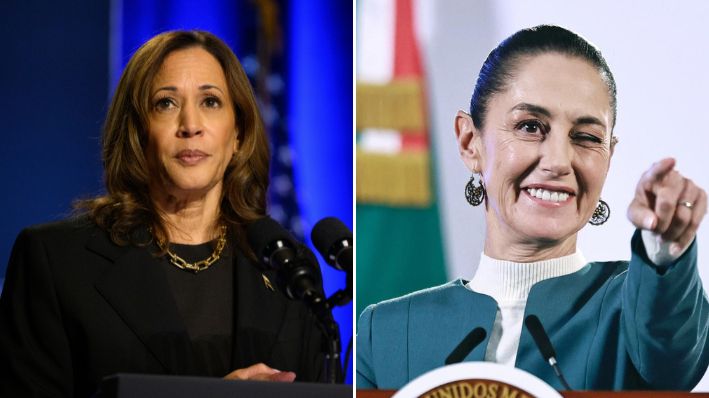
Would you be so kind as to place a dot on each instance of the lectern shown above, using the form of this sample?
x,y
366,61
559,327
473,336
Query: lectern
x,y
154,386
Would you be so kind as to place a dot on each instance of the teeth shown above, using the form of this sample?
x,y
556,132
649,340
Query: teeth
x,y
550,196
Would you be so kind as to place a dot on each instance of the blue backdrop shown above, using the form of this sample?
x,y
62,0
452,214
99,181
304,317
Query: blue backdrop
x,y
63,60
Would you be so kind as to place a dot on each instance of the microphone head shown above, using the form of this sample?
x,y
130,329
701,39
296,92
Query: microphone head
x,y
328,235
298,271
541,339
475,337
264,232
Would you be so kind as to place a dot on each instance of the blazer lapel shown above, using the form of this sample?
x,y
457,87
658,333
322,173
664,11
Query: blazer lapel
x,y
437,324
561,305
137,289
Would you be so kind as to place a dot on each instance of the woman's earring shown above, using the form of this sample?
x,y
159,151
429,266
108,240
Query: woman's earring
x,y
601,214
474,194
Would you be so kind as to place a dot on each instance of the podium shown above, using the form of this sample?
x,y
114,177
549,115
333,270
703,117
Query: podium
x,y
574,394
490,380
158,386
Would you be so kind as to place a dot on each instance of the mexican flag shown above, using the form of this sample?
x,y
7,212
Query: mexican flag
x,y
399,247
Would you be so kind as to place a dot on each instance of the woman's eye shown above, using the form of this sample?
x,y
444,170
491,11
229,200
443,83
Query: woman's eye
x,y
164,104
212,102
588,138
531,127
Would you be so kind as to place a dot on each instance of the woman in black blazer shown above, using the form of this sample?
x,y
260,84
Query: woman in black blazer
x,y
156,276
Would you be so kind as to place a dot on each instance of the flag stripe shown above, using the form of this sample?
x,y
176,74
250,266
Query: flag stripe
x,y
399,247
400,180
397,105
407,61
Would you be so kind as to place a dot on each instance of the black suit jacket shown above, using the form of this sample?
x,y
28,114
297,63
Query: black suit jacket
x,y
76,307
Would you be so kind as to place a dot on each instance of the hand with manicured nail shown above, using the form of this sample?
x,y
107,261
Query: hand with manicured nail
x,y
668,204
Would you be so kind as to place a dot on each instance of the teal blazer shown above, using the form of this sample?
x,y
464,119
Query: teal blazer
x,y
614,325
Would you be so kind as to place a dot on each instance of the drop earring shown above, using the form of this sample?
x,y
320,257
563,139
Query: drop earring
x,y
474,194
601,213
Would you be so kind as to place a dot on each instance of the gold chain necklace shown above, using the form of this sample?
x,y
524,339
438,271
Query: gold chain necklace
x,y
180,262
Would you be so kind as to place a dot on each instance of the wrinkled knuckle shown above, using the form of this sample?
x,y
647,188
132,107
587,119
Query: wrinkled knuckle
x,y
664,205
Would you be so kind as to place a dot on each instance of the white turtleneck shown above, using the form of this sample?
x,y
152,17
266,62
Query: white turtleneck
x,y
509,284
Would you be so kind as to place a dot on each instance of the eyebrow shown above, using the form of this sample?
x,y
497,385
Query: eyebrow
x,y
202,87
531,108
540,110
590,120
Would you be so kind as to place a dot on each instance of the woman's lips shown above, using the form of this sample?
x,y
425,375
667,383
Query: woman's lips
x,y
191,157
551,199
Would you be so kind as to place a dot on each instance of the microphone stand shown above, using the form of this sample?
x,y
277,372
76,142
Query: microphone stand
x,y
299,276
332,345
322,309
332,332
332,348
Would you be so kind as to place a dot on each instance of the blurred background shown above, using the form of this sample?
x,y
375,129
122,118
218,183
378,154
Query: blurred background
x,y
61,61
415,69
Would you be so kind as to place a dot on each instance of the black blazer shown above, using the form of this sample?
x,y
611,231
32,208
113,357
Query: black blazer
x,y
76,307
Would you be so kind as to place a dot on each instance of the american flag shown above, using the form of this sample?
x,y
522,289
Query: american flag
x,y
261,54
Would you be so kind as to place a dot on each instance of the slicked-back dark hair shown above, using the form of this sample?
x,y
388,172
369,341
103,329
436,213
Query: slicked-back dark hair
x,y
501,64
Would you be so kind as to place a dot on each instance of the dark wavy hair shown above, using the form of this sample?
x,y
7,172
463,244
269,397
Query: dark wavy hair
x,y
127,207
500,65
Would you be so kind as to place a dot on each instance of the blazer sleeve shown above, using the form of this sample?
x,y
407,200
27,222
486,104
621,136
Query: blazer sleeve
x,y
365,371
36,359
665,319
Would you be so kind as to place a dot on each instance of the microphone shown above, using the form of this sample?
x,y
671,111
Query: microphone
x,y
475,337
541,339
297,271
333,240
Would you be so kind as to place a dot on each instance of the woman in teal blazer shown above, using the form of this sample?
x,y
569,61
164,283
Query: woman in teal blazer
x,y
539,139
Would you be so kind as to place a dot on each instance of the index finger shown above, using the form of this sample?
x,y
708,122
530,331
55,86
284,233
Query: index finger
x,y
659,170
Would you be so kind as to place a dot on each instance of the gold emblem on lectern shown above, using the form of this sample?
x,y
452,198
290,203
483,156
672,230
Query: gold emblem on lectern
x,y
476,388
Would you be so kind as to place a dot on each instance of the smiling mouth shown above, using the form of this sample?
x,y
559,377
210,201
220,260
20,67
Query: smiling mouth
x,y
548,195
